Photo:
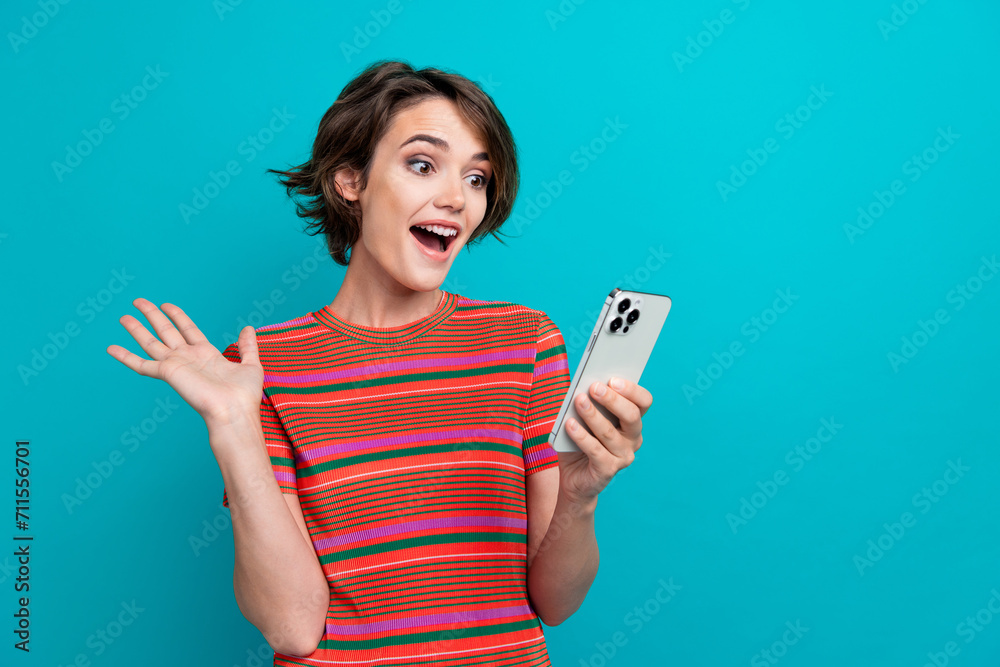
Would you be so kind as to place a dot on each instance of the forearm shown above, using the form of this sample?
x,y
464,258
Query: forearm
x,y
279,583
565,565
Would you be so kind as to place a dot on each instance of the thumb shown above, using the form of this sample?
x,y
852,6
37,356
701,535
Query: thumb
x,y
247,345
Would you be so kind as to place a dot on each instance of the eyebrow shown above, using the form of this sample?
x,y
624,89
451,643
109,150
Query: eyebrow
x,y
440,143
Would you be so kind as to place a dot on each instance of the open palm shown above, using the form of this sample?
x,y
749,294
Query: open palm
x,y
183,357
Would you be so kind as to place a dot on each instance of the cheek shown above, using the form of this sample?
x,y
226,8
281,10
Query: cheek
x,y
480,212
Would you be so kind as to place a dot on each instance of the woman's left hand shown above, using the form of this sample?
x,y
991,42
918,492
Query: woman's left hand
x,y
586,473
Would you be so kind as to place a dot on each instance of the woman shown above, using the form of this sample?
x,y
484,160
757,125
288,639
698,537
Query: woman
x,y
394,499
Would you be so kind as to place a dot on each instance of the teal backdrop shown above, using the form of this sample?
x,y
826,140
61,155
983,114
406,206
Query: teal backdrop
x,y
814,185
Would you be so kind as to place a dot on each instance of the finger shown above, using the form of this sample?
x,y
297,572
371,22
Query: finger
x,y
600,458
247,346
635,393
628,414
164,328
602,428
141,366
150,344
191,333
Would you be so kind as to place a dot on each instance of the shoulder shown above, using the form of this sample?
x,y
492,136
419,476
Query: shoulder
x,y
506,313
278,339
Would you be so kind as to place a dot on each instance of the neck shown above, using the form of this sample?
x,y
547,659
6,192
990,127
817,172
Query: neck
x,y
372,300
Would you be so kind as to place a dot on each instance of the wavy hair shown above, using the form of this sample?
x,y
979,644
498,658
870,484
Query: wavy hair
x,y
361,115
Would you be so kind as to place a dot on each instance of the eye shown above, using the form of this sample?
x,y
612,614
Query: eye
x,y
424,162
482,182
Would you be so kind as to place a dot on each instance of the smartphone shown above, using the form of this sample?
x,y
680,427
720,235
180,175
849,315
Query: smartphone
x,y
623,338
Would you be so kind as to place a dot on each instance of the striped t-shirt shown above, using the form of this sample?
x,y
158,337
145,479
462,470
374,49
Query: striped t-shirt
x,y
408,448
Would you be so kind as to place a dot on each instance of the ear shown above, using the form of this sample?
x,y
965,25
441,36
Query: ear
x,y
345,182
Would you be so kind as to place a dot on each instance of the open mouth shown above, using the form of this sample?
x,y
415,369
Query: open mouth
x,y
429,239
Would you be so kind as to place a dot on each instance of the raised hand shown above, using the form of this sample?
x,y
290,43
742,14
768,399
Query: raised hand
x,y
215,387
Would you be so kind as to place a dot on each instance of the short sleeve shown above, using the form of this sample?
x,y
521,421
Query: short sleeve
x,y
549,385
279,446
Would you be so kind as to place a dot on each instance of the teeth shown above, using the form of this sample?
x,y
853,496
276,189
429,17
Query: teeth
x,y
438,229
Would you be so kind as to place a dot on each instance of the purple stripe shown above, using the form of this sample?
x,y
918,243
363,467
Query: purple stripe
x,y
284,476
300,320
430,619
542,451
424,525
460,435
551,367
392,367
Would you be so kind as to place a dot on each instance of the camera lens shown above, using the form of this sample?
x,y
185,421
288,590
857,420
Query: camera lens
x,y
616,324
623,305
633,316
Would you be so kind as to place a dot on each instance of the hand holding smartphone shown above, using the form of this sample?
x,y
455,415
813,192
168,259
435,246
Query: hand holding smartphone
x,y
620,345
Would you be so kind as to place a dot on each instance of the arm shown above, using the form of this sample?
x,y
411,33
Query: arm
x,y
562,548
279,583
561,506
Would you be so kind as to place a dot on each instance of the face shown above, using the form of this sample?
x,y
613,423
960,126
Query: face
x,y
430,168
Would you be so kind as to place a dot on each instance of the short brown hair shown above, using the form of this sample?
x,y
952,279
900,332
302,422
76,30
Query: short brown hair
x,y
352,127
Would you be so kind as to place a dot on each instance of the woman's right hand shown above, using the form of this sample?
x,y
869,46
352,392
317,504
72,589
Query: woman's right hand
x,y
215,387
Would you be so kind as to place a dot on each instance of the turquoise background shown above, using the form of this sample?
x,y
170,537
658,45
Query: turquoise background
x,y
644,211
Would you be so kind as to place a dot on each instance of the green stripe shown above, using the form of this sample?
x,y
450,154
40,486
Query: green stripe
x,y
410,542
419,480
317,468
537,440
516,562
551,352
419,637
506,414
453,596
516,510
392,606
409,377
377,588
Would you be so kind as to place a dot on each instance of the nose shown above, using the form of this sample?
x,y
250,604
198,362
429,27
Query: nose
x,y
451,194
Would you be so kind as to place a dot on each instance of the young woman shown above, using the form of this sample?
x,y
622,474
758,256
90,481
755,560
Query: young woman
x,y
394,499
